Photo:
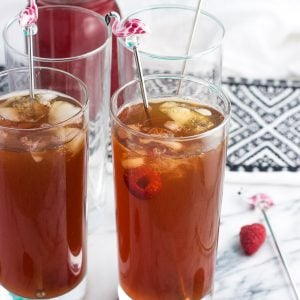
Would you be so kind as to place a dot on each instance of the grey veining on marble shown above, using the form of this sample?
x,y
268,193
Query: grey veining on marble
x,y
260,276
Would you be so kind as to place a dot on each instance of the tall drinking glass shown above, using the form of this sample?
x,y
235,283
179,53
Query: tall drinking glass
x,y
78,41
43,163
165,49
168,169
102,7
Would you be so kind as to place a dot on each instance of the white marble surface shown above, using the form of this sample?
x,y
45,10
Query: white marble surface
x,y
238,277
262,40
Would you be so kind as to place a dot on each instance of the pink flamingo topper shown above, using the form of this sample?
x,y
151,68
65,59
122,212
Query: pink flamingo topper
x,y
27,20
262,200
128,28
29,15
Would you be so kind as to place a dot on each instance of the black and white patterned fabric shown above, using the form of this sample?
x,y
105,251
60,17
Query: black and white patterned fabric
x,y
265,125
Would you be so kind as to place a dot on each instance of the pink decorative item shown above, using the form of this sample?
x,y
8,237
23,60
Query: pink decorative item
x,y
128,28
29,15
27,20
262,200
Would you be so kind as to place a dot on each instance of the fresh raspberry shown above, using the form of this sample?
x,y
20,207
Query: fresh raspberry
x,y
143,182
252,237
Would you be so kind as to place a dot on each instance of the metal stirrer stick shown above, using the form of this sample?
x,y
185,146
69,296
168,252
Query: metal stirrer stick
x,y
141,77
27,20
130,29
264,202
30,60
190,43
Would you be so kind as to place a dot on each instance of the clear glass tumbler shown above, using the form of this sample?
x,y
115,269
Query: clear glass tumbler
x,y
78,41
165,48
168,170
43,162
101,7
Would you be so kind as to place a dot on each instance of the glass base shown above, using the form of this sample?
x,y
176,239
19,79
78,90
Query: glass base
x,y
77,293
123,296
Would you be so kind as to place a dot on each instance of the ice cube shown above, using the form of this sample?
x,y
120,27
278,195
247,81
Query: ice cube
x,y
77,142
179,114
189,119
177,168
176,146
64,134
46,98
133,162
204,111
173,126
168,104
61,111
37,112
37,156
10,114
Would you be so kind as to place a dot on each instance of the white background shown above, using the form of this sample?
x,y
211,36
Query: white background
x,y
262,36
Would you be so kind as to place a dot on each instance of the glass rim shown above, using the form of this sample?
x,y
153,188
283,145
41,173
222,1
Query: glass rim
x,y
216,90
83,107
62,59
170,57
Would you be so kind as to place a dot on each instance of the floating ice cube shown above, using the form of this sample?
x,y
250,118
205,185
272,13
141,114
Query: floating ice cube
x,y
192,121
10,114
179,114
173,126
65,134
76,143
204,111
37,156
61,111
176,168
133,162
36,112
176,146
46,98
168,104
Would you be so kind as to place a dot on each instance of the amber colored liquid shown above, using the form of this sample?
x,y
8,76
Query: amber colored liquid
x,y
42,213
167,244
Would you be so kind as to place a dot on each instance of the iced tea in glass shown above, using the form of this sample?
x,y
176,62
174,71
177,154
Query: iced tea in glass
x,y
43,163
168,168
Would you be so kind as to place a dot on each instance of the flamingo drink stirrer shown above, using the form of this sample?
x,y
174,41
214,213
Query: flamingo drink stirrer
x,y
263,202
130,29
27,20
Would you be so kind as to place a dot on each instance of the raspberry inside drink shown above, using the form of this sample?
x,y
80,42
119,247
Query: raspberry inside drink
x,y
43,157
168,183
